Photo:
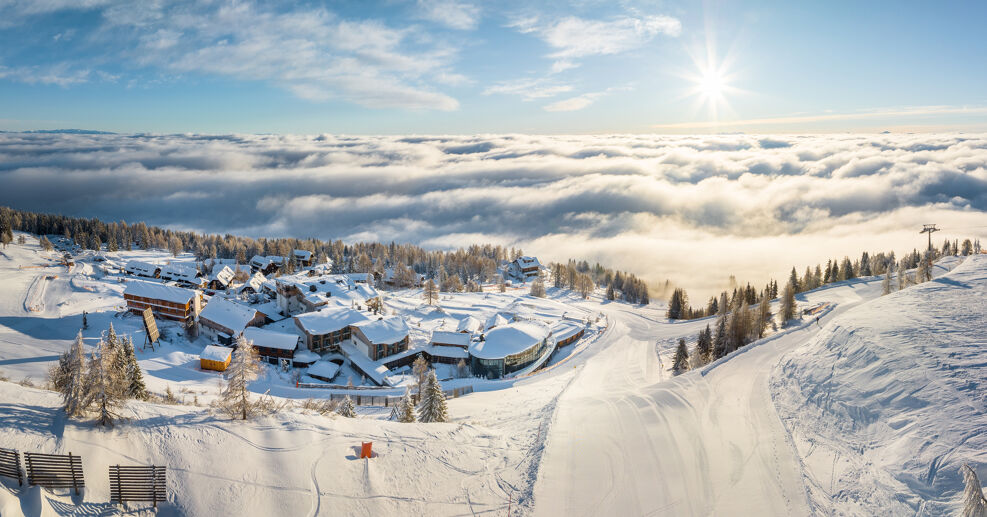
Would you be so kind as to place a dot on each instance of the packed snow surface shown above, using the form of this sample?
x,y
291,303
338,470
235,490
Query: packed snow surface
x,y
868,411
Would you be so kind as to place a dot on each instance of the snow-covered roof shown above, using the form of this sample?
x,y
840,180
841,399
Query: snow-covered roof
x,y
329,320
509,340
260,261
387,330
222,273
376,372
446,337
495,321
469,324
255,282
156,291
565,329
229,314
445,351
305,356
324,369
216,353
361,278
527,262
303,254
271,338
139,266
320,289
180,271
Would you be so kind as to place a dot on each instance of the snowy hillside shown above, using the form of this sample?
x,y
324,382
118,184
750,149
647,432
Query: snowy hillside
x,y
889,400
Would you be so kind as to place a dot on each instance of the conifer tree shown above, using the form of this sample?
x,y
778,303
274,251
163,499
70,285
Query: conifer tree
x,y
681,361
704,346
347,408
611,295
763,316
431,292
136,389
74,383
104,384
420,370
243,369
720,339
788,305
433,404
406,409
886,283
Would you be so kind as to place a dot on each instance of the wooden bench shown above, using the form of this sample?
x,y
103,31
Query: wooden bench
x,y
138,483
54,470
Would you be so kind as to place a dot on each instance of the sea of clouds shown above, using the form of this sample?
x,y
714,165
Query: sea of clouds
x,y
693,209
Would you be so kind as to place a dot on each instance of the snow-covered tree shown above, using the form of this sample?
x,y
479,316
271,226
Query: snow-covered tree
x,y
924,272
681,362
346,408
720,345
677,304
74,387
45,243
433,403
105,385
243,368
763,317
406,408
788,305
134,377
431,292
420,370
611,295
886,283
704,347
974,503
537,288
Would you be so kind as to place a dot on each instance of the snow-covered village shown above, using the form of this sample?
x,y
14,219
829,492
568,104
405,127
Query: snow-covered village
x,y
521,259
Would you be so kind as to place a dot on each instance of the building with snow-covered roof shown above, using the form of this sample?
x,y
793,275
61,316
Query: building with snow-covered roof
x,y
303,257
510,348
266,264
222,320
141,268
567,332
183,273
496,320
326,329
221,276
271,345
525,268
448,338
215,358
303,293
254,284
168,302
381,337
469,324
323,370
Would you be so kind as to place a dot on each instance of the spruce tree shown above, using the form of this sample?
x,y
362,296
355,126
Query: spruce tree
x,y
136,389
720,345
74,384
243,369
788,303
681,362
433,404
104,383
704,346
886,283
611,295
347,408
406,408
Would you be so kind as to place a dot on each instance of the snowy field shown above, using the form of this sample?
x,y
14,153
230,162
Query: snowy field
x,y
870,411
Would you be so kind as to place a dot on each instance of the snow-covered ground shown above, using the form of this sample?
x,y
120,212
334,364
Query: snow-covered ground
x,y
869,411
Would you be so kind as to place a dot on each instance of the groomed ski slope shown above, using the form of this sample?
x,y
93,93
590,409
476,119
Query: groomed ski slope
x,y
711,442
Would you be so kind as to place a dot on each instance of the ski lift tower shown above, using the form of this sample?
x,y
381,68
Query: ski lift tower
x,y
930,229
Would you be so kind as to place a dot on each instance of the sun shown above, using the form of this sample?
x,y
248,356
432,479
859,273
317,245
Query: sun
x,y
711,86
710,83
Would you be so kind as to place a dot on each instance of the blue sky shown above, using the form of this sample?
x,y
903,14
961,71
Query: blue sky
x,y
452,66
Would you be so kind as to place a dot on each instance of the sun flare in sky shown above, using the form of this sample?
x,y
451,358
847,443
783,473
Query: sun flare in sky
x,y
711,87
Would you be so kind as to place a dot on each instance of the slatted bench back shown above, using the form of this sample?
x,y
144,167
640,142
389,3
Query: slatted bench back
x,y
54,470
138,483
10,465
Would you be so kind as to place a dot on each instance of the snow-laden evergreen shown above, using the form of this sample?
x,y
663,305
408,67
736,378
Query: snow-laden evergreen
x,y
74,385
105,384
406,409
346,408
243,368
681,362
433,403
134,377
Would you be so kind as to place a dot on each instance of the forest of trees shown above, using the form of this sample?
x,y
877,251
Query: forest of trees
x,y
458,270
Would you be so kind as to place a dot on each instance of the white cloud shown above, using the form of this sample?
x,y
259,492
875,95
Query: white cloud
x,y
528,89
690,208
59,74
574,103
574,37
451,13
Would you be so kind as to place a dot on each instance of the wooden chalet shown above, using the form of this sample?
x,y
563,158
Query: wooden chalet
x,y
223,320
325,330
271,345
382,337
172,303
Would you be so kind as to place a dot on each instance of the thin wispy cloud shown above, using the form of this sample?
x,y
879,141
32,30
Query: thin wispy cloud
x,y
451,13
801,120
694,209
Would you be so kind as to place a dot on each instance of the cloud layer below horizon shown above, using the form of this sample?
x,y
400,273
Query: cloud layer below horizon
x,y
693,209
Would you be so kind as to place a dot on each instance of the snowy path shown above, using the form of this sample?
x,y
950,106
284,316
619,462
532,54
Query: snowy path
x,y
708,442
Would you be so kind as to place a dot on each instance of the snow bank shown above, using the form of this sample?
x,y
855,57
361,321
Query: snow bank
x,y
890,399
